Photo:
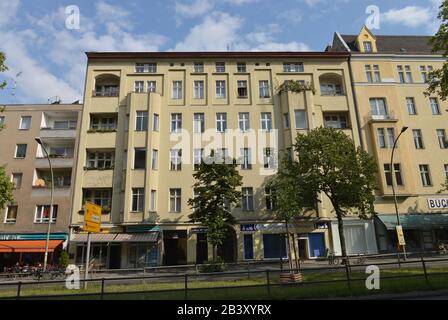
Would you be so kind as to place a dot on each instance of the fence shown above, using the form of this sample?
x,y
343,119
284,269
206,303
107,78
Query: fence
x,y
183,285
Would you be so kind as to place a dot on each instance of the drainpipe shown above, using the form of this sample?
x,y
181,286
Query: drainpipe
x,y
361,141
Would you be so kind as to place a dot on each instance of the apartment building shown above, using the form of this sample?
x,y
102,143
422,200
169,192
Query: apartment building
x,y
149,117
23,224
390,76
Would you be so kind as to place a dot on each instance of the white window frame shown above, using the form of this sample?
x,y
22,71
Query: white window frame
x,y
176,196
139,86
434,103
177,89
198,123
176,123
441,137
266,121
198,89
221,122
418,138
17,149
10,220
155,122
425,175
152,86
153,201
38,214
220,67
263,89
248,199
220,89
140,117
138,195
246,158
175,159
154,159
25,125
244,121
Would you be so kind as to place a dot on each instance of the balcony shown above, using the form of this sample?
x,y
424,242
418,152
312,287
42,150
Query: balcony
x,y
57,133
387,117
56,162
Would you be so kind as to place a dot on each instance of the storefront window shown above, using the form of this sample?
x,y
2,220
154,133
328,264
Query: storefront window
x,y
142,255
248,247
274,246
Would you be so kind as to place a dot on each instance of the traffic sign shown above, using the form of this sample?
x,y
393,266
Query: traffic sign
x,y
400,236
92,218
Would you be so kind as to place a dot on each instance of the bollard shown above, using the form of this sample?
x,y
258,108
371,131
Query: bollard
x,y
425,271
102,288
186,286
19,288
349,284
268,282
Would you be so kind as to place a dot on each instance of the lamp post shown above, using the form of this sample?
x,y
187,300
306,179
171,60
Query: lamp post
x,y
50,218
393,187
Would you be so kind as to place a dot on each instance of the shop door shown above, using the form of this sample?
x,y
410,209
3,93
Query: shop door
x,y
303,244
317,245
201,248
175,247
115,257
355,239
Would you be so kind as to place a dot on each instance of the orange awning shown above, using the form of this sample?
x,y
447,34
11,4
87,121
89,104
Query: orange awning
x,y
28,245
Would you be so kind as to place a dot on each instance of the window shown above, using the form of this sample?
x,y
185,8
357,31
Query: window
x,y
21,151
153,204
101,123
242,88
373,74
378,108
146,67
2,121
293,67
410,103
367,46
221,155
424,174
100,160
175,200
337,121
61,152
64,124
434,106
381,138
139,158
274,246
11,214
139,86
176,159
445,166
220,67
330,89
246,161
154,159
197,158
16,179
390,137
418,140
141,123
300,118
243,121
424,71
408,74
199,67
198,123
25,123
248,247
286,120
388,174
241,67
405,75
43,214
221,122
138,199
268,158
266,121
176,122
198,92
101,197
248,199
152,86
401,74
177,90
263,87
155,122
441,137
270,204
220,89
106,90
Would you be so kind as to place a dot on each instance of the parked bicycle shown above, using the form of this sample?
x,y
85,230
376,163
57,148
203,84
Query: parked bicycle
x,y
331,257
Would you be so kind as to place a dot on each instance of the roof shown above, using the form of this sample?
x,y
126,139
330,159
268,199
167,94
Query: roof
x,y
215,55
395,44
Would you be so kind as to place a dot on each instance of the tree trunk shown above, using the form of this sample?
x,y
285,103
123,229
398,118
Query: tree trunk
x,y
215,249
296,256
341,234
289,248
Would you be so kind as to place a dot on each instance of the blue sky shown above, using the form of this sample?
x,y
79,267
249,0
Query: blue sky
x,y
46,59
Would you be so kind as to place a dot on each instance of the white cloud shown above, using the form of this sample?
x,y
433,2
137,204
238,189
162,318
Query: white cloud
x,y
410,16
193,9
8,9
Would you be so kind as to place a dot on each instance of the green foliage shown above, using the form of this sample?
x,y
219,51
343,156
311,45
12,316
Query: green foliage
x,y
438,79
63,259
213,266
3,68
295,86
6,187
216,188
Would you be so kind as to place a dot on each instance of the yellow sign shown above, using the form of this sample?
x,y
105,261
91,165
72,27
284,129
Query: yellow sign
x,y
400,236
92,217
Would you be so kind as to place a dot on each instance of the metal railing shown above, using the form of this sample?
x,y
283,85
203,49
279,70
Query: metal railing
x,y
186,283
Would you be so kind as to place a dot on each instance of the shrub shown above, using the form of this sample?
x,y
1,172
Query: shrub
x,y
213,266
63,259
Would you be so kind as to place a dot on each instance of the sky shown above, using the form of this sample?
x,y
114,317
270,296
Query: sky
x,y
45,46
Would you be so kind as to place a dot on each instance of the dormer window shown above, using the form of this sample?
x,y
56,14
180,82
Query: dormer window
x,y
367,46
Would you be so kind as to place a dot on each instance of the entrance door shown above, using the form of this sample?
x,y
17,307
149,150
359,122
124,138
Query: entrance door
x,y
317,245
227,251
175,247
355,239
201,248
302,244
115,257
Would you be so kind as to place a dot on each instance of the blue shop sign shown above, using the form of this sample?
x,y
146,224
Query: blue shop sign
x,y
31,236
248,227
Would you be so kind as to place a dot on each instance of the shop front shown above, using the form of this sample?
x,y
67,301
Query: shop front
x,y
359,236
29,249
422,232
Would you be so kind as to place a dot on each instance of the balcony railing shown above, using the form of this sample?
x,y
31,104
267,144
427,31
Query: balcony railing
x,y
105,93
381,117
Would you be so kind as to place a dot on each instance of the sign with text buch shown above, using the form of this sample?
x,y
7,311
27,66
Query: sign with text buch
x,y
92,217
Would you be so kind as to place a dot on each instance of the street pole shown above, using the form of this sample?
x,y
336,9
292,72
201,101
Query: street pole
x,y
86,276
393,190
47,241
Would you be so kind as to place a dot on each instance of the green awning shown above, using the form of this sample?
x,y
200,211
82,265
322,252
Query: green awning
x,y
415,221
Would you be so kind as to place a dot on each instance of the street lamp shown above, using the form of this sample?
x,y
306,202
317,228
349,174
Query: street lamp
x,y
393,186
50,218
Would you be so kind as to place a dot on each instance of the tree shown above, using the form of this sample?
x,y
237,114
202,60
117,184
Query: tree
x,y
291,197
216,193
438,79
6,186
330,163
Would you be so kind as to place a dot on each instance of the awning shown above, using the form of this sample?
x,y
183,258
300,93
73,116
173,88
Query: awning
x,y
28,245
415,221
117,237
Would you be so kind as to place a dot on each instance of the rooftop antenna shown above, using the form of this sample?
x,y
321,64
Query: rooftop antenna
x,y
54,100
228,47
